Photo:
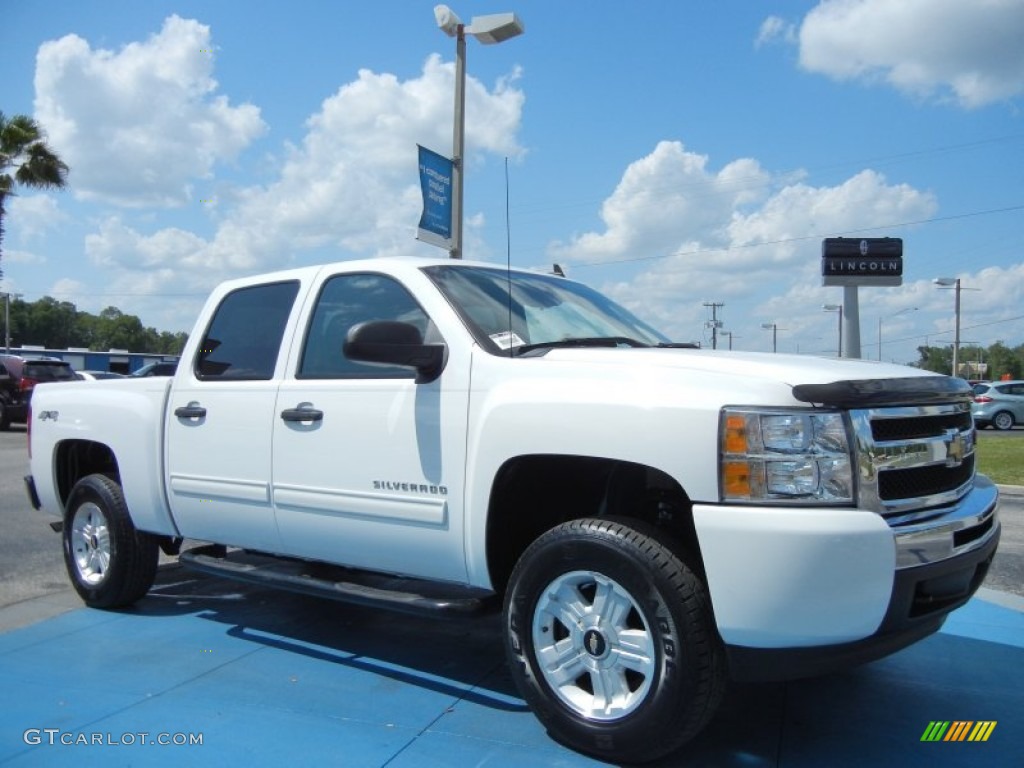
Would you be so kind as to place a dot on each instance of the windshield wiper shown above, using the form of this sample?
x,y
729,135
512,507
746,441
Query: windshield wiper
x,y
587,341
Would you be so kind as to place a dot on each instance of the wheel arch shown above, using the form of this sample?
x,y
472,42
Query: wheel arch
x,y
75,459
533,493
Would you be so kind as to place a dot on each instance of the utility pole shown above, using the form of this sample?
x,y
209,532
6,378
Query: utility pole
x,y
713,322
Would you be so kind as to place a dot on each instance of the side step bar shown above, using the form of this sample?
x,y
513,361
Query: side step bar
x,y
345,584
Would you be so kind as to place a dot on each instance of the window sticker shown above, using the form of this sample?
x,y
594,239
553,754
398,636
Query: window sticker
x,y
506,339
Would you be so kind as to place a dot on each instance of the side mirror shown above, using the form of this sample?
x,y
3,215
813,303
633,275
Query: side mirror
x,y
395,343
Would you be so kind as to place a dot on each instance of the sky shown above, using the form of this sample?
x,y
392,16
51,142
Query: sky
x,y
674,155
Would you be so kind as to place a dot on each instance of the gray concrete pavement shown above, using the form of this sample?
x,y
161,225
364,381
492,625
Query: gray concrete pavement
x,y
31,564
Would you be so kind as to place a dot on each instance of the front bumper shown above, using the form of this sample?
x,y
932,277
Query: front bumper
x,y
798,592
922,598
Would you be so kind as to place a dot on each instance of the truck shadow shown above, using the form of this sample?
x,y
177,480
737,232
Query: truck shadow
x,y
871,715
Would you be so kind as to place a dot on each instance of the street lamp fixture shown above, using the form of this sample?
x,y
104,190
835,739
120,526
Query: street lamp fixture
x,y
490,29
774,328
837,308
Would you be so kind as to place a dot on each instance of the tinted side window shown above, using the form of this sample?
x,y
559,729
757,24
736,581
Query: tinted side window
x,y
344,301
245,334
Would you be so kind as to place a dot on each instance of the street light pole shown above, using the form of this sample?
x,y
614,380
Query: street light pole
x,y
954,282
908,309
774,328
490,29
7,319
458,140
837,308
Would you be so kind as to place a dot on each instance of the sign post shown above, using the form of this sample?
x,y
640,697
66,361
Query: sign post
x,y
852,262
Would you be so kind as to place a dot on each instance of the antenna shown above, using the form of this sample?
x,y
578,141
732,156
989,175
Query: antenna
x,y
508,261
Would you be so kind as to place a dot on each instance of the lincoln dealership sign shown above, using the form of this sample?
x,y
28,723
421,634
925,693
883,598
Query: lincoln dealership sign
x,y
867,261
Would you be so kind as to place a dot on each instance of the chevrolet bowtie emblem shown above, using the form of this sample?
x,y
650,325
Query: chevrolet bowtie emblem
x,y
956,448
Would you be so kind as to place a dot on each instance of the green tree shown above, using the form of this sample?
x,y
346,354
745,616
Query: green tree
x,y
935,359
49,323
24,151
1003,361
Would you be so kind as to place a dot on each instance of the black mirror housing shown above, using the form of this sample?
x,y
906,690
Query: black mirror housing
x,y
395,343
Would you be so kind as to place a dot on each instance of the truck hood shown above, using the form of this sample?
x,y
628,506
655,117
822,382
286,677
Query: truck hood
x,y
807,379
786,369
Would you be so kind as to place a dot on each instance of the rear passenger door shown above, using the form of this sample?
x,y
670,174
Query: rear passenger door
x,y
220,420
373,478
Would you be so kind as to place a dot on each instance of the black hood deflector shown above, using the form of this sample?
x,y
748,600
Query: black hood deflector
x,y
867,393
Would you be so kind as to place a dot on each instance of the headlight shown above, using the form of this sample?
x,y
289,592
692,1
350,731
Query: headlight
x,y
785,457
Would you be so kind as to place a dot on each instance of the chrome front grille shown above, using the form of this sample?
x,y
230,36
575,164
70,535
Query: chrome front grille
x,y
913,461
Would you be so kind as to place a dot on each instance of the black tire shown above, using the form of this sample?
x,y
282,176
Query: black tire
x,y
111,564
1003,421
5,416
643,631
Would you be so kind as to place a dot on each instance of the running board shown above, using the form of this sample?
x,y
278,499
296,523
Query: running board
x,y
377,590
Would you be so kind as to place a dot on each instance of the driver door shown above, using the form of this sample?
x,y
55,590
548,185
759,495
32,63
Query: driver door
x,y
369,465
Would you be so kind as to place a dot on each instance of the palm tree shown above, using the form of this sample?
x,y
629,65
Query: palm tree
x,y
23,148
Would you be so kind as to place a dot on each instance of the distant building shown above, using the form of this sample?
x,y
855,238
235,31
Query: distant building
x,y
81,359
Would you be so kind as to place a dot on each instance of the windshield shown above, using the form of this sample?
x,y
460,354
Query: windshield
x,y
544,310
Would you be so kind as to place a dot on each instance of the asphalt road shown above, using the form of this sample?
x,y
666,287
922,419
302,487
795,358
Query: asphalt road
x,y
30,553
31,564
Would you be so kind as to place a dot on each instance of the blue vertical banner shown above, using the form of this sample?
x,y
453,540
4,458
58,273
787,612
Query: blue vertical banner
x,y
435,225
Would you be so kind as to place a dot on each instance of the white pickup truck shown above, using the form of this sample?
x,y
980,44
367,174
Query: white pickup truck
x,y
444,436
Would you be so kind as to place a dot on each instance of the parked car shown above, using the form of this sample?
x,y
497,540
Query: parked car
x,y
19,376
98,375
155,369
999,404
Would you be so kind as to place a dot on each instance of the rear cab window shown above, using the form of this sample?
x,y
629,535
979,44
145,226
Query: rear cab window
x,y
244,337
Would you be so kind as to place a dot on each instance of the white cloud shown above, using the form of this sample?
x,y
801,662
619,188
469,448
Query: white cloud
x,y
119,246
139,126
698,234
31,217
662,201
67,289
773,30
350,188
13,256
970,51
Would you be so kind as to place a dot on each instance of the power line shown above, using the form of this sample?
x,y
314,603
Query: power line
x,y
785,240
943,333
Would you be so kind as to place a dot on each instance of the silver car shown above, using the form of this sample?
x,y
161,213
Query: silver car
x,y
999,404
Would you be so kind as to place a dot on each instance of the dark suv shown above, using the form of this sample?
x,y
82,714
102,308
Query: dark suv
x,y
18,376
